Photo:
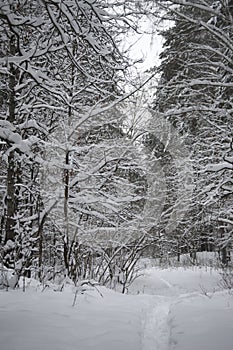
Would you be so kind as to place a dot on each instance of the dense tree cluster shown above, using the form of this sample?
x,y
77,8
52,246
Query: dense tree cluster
x,y
70,177
194,96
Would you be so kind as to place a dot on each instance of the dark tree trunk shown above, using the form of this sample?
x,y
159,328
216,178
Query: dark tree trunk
x,y
11,171
10,199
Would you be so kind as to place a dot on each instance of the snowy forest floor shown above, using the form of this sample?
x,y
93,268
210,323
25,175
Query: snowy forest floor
x,y
165,309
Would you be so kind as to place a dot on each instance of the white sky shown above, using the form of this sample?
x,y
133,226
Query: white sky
x,y
148,48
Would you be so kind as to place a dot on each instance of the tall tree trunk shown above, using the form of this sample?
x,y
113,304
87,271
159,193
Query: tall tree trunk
x,y
11,173
66,217
10,199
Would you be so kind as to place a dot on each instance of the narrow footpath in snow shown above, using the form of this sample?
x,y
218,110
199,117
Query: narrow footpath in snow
x,y
156,328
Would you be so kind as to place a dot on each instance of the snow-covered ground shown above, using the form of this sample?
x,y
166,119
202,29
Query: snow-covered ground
x,y
165,309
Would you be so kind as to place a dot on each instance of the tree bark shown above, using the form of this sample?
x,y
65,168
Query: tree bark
x,y
11,173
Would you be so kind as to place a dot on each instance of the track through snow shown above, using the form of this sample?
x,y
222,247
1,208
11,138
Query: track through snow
x,y
156,329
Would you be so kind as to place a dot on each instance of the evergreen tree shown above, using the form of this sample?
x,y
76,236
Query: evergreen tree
x,y
194,64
